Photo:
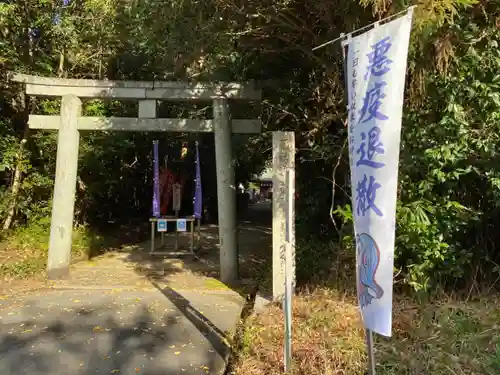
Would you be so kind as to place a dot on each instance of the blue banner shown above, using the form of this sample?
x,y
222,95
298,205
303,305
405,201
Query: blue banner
x,y
198,196
156,181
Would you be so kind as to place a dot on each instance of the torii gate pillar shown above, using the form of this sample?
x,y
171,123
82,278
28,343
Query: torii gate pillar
x,y
226,192
63,202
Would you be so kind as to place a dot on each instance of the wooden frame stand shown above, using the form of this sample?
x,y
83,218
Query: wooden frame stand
x,y
175,250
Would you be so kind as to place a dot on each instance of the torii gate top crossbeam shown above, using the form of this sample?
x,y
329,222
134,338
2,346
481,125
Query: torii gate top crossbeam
x,y
140,90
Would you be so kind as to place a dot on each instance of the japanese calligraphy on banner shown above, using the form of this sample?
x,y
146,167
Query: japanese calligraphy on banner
x,y
376,67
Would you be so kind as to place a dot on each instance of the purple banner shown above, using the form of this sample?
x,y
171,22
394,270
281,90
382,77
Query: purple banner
x,y
156,181
198,196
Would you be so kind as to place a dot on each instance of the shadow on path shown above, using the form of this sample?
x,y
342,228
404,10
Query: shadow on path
x,y
202,270
213,334
130,313
82,333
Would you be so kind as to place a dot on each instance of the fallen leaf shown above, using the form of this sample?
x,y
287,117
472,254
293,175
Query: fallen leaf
x,y
137,369
177,353
114,371
98,329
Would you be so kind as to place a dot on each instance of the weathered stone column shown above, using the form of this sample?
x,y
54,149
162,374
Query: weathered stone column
x,y
283,160
226,192
61,226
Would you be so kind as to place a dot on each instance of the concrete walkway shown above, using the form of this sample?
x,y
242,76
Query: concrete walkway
x,y
128,313
118,322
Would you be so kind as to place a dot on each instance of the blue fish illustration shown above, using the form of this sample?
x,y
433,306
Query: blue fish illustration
x,y
368,262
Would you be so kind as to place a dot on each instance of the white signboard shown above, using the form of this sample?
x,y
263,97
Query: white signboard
x,y
176,197
181,225
161,225
376,66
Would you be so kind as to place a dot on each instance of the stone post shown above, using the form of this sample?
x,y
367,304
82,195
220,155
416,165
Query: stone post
x,y
283,160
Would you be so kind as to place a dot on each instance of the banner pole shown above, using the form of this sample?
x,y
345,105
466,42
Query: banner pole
x,y
343,36
288,320
198,195
288,273
156,181
198,222
371,353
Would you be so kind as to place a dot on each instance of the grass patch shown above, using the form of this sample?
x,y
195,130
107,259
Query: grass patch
x,y
439,338
214,284
23,251
444,337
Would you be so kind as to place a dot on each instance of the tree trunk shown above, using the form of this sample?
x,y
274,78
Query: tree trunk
x,y
60,70
16,182
22,108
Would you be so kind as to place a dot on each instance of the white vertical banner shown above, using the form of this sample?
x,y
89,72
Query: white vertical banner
x,y
376,67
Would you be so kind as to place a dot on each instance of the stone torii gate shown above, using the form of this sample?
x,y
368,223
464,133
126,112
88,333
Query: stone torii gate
x,y
70,123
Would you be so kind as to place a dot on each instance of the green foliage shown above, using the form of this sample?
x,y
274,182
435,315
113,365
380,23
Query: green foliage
x,y
449,174
449,171
454,139
24,250
106,39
